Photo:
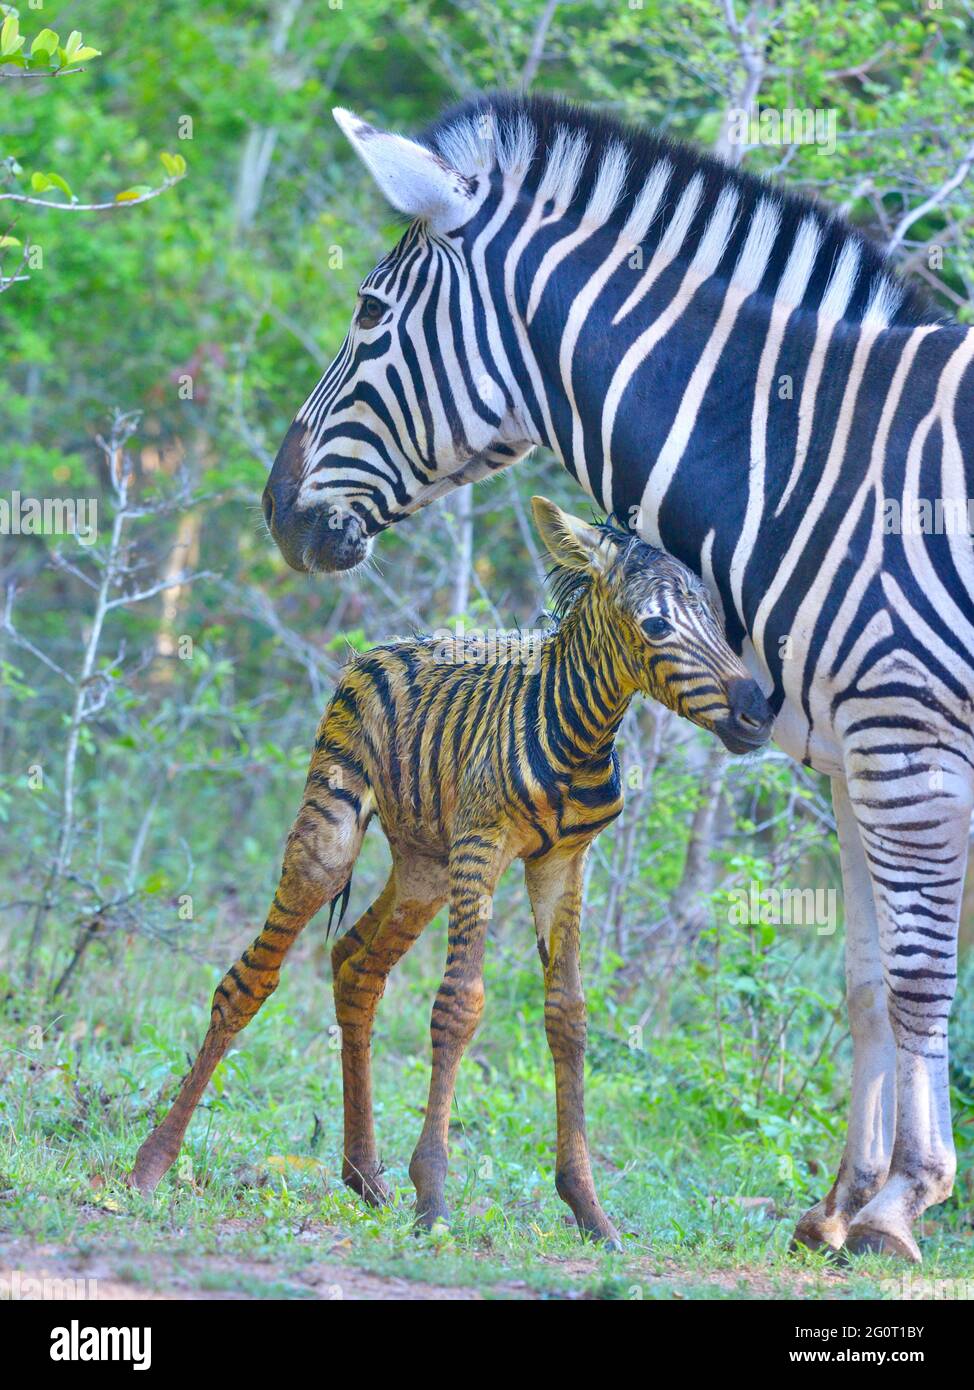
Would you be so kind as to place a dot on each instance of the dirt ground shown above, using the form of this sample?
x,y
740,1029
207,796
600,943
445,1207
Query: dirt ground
x,y
111,1274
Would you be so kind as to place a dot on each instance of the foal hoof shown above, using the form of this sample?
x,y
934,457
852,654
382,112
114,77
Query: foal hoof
x,y
870,1240
431,1214
150,1168
609,1240
602,1233
368,1186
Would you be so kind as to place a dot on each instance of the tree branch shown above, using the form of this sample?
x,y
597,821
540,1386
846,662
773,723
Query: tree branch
x,y
530,69
93,207
934,201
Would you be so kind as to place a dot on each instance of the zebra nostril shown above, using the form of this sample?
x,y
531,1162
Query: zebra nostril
x,y
748,708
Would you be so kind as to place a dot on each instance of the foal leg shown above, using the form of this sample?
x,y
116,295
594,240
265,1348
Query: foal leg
x,y
475,866
555,889
362,960
872,1107
917,854
321,849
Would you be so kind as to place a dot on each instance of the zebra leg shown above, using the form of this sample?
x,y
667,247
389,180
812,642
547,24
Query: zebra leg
x,y
361,961
555,889
321,850
872,1107
475,866
917,851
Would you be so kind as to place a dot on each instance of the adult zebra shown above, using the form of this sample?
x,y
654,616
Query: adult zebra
x,y
739,375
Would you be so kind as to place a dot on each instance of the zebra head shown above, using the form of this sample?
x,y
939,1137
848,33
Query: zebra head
x,y
415,403
657,624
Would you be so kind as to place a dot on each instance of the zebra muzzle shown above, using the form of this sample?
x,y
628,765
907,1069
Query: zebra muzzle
x,y
749,720
337,540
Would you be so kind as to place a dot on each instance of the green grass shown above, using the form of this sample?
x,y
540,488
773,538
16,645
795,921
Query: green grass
x,y
256,1208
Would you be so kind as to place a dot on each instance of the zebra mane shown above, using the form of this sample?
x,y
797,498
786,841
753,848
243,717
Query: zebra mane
x,y
587,162
565,588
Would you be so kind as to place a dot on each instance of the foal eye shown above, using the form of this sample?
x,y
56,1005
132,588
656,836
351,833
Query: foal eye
x,y
655,628
371,311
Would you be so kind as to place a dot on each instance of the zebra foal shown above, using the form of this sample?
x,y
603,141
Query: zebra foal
x,y
468,767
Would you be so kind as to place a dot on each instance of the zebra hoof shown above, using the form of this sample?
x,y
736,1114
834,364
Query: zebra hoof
x,y
368,1186
601,1233
150,1168
608,1240
870,1240
432,1217
819,1231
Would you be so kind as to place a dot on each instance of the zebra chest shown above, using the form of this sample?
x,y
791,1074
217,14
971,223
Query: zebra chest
x,y
580,805
815,743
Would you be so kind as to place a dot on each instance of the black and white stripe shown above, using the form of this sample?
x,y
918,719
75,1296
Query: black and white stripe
x,y
738,375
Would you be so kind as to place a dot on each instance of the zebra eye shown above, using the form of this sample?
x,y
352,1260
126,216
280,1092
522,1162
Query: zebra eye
x,y
371,311
656,628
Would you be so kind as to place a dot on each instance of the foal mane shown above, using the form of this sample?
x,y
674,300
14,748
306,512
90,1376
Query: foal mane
x,y
567,586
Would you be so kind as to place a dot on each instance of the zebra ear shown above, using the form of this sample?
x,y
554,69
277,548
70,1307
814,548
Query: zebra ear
x,y
413,178
570,541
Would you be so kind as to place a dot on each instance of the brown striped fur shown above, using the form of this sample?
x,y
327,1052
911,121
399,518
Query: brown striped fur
x,y
469,766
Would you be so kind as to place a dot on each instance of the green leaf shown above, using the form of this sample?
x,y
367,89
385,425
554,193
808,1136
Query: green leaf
x,y
8,241
136,191
41,182
46,42
174,164
84,54
57,181
11,39
71,46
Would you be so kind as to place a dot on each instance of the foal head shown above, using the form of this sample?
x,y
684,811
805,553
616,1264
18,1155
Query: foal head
x,y
653,619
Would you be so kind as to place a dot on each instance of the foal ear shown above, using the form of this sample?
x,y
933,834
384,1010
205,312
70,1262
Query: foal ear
x,y
570,541
413,178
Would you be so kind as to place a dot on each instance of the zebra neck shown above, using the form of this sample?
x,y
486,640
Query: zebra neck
x,y
586,689
624,393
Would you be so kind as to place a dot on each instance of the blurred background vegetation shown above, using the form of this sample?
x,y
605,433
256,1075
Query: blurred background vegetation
x,y
152,748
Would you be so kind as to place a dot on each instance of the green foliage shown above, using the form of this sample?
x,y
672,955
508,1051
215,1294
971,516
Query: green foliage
x,y
45,53
718,1054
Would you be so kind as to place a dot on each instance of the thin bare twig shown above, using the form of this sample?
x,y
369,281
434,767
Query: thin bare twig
x,y
536,53
936,198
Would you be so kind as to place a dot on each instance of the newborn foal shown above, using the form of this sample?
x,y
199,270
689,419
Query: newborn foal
x,y
469,766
